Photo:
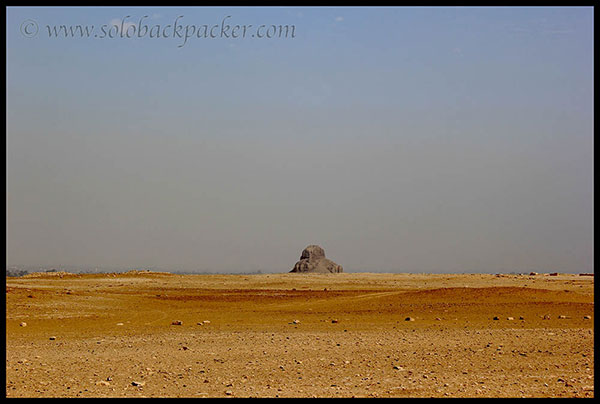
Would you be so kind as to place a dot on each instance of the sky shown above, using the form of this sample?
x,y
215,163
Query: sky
x,y
436,140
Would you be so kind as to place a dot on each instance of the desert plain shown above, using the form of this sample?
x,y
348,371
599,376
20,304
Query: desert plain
x,y
144,334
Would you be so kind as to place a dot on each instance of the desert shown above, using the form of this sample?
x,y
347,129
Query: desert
x,y
150,334
304,202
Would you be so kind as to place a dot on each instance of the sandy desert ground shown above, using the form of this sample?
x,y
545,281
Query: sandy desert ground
x,y
299,335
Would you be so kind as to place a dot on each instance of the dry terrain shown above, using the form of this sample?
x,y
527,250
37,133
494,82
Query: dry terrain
x,y
299,335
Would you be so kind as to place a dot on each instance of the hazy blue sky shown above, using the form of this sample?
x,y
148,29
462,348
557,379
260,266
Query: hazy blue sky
x,y
399,139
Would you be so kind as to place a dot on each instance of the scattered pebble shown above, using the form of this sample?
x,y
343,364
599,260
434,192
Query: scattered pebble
x,y
52,338
177,322
23,324
139,384
409,319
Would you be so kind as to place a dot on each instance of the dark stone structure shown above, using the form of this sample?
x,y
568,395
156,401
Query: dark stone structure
x,y
313,260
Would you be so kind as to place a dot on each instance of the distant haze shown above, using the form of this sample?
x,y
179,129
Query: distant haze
x,y
400,140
